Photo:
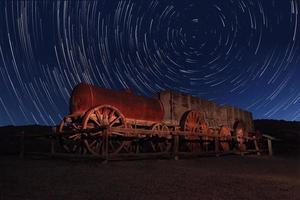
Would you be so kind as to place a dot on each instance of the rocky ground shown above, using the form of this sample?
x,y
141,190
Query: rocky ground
x,y
227,177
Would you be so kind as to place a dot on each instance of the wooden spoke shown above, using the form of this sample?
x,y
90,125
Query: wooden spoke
x,y
240,133
153,146
96,121
114,121
111,114
240,139
225,135
161,143
103,116
194,122
116,146
71,143
127,146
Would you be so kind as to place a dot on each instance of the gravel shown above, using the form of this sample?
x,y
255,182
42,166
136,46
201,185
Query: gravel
x,y
228,177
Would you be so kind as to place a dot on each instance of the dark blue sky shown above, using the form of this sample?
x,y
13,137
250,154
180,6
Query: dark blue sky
x,y
240,52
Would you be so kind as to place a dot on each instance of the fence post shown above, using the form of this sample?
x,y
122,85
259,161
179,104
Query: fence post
x,y
270,147
256,146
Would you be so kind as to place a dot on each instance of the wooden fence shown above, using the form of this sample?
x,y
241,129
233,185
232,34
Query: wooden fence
x,y
175,137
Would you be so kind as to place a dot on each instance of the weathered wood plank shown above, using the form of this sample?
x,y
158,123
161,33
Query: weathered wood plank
x,y
270,148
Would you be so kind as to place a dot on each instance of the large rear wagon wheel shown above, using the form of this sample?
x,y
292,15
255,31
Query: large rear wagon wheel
x,y
97,118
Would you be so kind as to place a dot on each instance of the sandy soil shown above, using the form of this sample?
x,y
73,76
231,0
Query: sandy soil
x,y
228,177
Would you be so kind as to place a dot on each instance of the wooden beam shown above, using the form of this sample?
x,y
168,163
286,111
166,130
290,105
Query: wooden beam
x,y
256,146
270,149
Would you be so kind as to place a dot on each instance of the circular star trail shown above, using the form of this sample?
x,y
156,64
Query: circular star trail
x,y
244,53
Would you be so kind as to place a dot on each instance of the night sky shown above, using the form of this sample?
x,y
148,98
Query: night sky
x,y
244,53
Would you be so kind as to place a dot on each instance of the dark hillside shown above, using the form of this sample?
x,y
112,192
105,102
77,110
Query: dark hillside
x,y
288,132
9,140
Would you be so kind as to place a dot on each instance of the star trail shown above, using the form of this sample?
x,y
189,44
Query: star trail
x,y
244,53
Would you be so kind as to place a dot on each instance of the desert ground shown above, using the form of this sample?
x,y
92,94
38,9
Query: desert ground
x,y
226,177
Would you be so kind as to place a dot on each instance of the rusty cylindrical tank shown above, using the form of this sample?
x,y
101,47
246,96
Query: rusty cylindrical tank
x,y
86,96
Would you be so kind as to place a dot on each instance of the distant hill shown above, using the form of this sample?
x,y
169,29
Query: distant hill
x,y
26,129
288,132
10,142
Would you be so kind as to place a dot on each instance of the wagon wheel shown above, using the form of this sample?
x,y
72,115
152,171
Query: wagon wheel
x,y
193,121
161,143
103,116
225,137
71,143
130,146
240,139
239,130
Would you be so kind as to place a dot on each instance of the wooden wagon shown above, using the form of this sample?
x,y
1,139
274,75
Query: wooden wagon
x,y
120,122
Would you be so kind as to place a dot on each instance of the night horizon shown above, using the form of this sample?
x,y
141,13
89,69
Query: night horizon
x,y
241,53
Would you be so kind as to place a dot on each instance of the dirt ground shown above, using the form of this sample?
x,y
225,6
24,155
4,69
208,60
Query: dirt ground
x,y
228,177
